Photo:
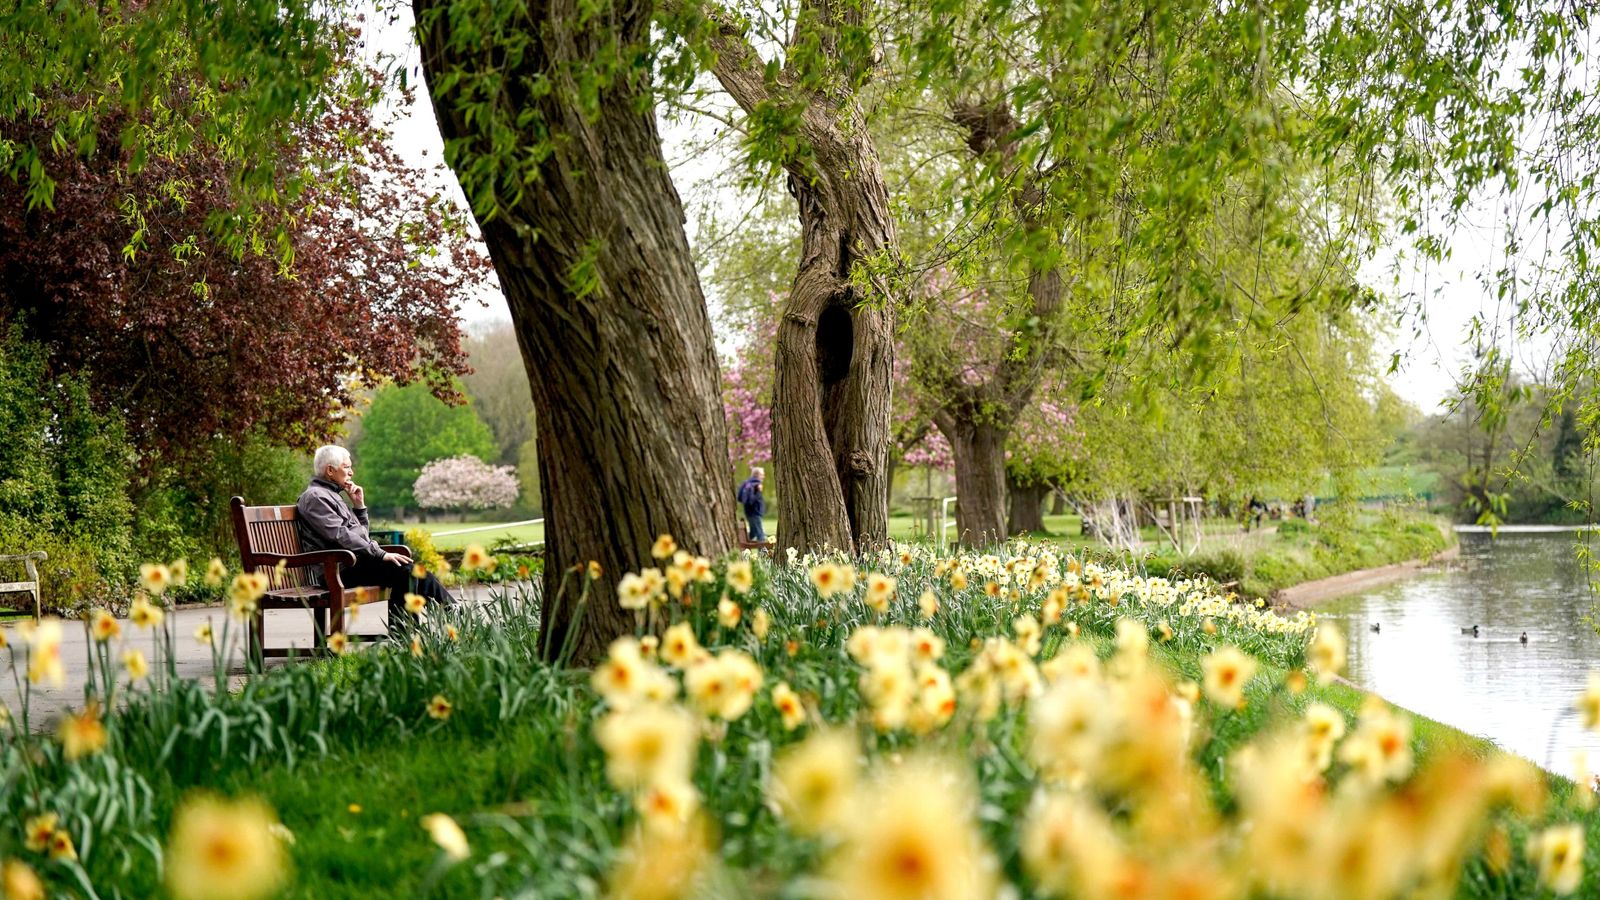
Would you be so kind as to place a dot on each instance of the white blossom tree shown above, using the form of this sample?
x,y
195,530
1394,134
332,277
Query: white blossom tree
x,y
465,483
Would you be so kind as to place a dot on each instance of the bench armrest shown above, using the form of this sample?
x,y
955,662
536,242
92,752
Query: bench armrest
x,y
35,556
329,560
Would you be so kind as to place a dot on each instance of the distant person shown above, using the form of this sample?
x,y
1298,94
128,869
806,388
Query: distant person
x,y
1253,517
755,504
325,522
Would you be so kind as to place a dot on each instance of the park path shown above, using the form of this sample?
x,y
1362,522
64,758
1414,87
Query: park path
x,y
290,627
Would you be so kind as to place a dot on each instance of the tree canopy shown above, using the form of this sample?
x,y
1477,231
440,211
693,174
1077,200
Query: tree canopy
x,y
406,428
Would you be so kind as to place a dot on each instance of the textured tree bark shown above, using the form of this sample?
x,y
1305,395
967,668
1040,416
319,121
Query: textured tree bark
x,y
979,450
1027,507
1058,504
631,436
830,416
831,398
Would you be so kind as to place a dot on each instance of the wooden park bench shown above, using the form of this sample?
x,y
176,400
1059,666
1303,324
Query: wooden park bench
x,y
31,586
267,537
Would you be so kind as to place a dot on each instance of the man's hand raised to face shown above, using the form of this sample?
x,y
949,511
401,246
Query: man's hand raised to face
x,y
358,494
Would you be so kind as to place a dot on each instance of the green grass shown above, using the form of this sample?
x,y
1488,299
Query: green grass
x,y
495,533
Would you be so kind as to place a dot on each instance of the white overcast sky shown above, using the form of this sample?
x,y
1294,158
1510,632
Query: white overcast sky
x,y
1433,351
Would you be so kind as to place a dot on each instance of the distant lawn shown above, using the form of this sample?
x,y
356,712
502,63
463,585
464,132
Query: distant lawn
x,y
497,532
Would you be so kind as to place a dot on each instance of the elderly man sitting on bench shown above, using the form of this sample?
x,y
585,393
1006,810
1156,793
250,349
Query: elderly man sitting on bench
x,y
325,522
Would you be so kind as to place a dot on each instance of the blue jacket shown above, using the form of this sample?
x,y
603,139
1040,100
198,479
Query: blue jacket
x,y
754,502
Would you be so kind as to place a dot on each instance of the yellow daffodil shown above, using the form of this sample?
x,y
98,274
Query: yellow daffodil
x,y
880,590
664,547
61,847
928,604
338,643
647,744
728,613
179,568
103,625
82,734
476,559
1226,672
787,702
633,592
18,881
679,646
134,662
1327,653
144,614
1589,703
915,837
1558,851
216,571
224,849
741,576
415,604
667,806
155,578
447,834
44,652
36,831
439,708
814,783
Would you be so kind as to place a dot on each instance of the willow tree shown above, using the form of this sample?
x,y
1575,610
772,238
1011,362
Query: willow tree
x,y
805,116
548,121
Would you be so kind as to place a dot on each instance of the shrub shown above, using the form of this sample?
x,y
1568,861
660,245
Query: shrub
x,y
64,472
423,552
1292,528
1225,566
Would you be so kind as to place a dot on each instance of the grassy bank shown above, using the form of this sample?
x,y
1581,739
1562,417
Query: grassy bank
x,y
1299,552
349,757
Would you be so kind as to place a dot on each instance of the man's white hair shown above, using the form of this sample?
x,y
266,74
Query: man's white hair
x,y
328,455
758,471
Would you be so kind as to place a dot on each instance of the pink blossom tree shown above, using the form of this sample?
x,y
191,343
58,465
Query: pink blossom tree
x,y
465,483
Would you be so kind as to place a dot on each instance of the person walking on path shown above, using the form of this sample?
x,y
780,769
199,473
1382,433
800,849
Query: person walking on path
x,y
754,503
326,523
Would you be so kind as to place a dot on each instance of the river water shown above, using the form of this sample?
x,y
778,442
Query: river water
x,y
1518,695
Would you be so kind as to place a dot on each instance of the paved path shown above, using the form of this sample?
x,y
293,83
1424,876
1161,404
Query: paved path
x,y
284,627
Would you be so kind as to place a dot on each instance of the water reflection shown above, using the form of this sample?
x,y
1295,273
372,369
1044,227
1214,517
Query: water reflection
x,y
1518,695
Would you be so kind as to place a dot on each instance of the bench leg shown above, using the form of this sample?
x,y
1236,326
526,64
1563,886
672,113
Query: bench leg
x,y
335,617
319,629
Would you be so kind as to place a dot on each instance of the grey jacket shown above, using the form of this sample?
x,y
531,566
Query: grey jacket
x,y
326,523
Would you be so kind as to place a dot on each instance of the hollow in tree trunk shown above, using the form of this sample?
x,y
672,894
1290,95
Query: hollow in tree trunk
x,y
831,398
830,411
631,436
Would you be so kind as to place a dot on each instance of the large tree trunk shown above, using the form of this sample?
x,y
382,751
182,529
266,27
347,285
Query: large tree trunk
x,y
830,411
631,436
831,398
1027,507
979,450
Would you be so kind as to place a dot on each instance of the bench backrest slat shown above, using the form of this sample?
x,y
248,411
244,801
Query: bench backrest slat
x,y
268,529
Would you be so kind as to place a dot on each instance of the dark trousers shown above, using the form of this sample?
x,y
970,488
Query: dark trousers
x,y
756,529
399,582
